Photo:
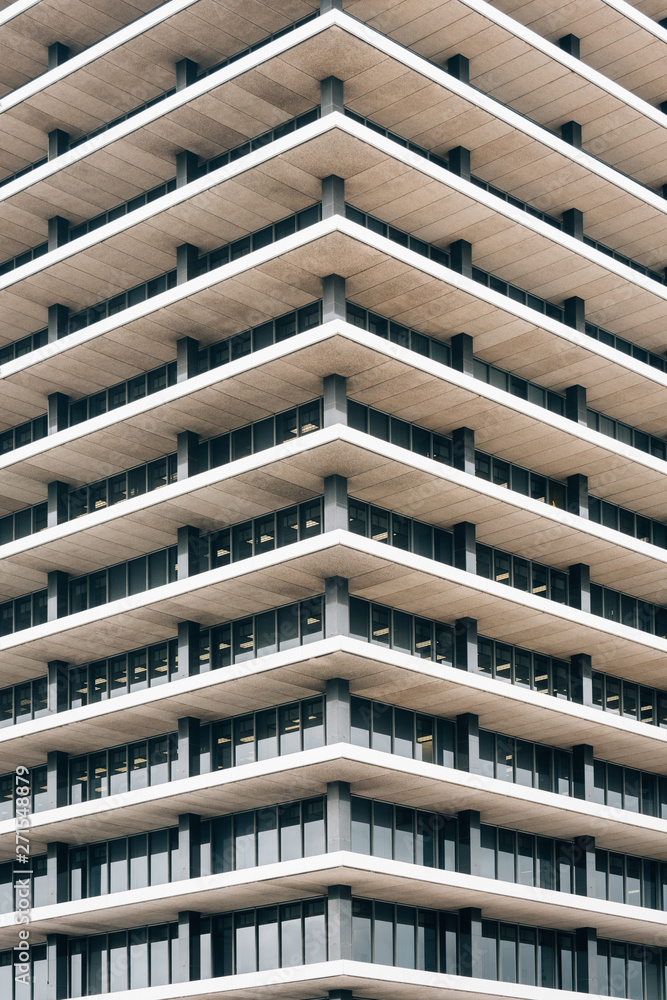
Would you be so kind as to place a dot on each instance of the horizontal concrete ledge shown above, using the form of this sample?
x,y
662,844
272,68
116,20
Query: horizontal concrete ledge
x,y
542,259
374,672
364,49
376,471
371,774
362,980
376,572
517,429
369,877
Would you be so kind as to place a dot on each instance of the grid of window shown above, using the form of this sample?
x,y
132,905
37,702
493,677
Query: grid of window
x,y
272,937
263,836
626,788
261,735
628,610
128,959
541,673
622,345
404,936
261,534
39,884
123,863
260,435
422,637
527,955
511,200
135,576
122,768
645,704
399,432
11,990
545,581
23,434
123,486
38,791
149,666
400,531
523,762
524,574
274,331
24,701
402,732
207,262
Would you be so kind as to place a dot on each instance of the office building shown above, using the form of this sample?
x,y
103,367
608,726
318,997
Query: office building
x,y
333,528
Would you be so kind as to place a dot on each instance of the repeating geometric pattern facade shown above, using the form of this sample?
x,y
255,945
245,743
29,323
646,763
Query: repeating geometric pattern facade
x,y
333,532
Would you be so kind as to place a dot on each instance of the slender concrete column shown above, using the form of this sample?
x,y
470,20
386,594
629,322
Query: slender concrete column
x,y
187,358
187,764
187,455
57,961
583,854
465,644
470,941
187,167
465,547
57,503
571,132
57,322
337,711
188,648
460,257
582,772
57,872
57,779
581,679
570,44
186,73
189,841
577,495
574,310
336,607
463,450
187,257
333,298
467,742
459,162
188,551
339,921
586,947
331,96
573,224
58,413
575,404
58,232
580,587
58,143
58,682
57,601
189,947
459,67
57,54
335,399
462,356
335,503
333,196
339,817
470,846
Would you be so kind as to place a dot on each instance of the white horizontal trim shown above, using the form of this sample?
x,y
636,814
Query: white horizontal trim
x,y
332,121
357,865
330,755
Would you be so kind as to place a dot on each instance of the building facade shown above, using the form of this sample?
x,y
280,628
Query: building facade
x,y
333,525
